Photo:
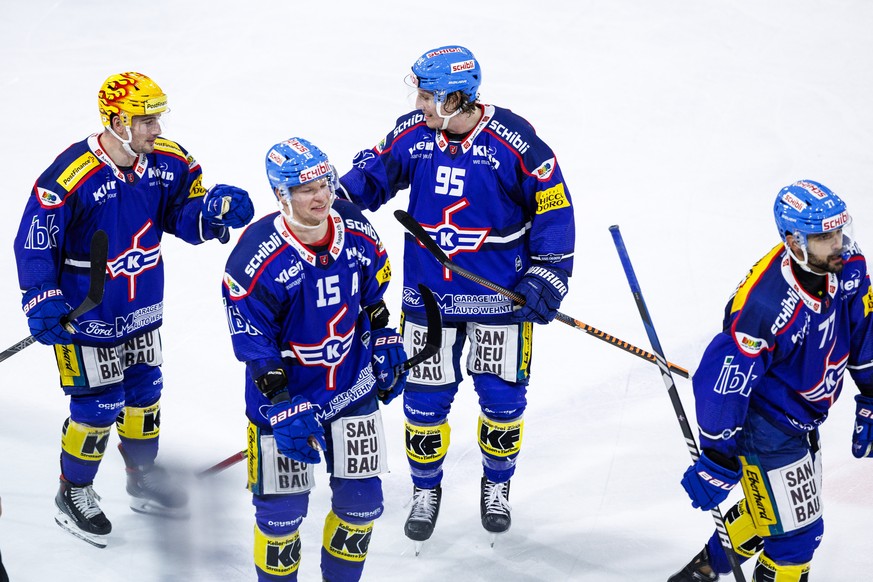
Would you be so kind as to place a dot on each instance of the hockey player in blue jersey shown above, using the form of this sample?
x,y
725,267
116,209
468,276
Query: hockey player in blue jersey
x,y
491,194
136,186
798,321
303,292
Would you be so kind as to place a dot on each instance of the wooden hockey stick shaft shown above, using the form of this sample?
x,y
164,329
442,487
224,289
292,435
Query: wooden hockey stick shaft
x,y
420,234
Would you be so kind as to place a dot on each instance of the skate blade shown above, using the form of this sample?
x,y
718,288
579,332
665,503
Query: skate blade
x,y
96,540
492,537
418,546
152,507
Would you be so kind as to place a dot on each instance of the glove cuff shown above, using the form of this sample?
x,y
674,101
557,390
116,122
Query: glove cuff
x,y
729,474
39,294
555,279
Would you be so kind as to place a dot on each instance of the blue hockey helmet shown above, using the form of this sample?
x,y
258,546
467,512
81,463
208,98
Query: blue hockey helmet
x,y
807,207
296,161
447,69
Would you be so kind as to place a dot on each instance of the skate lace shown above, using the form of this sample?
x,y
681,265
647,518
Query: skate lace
x,y
495,498
85,500
423,504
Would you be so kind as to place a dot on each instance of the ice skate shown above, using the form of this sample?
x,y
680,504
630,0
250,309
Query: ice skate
x,y
691,572
79,514
423,515
495,508
152,491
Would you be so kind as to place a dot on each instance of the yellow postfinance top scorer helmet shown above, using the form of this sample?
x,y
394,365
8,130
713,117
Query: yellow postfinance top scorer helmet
x,y
129,94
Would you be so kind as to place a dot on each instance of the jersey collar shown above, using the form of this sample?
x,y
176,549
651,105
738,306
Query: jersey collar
x,y
336,243
812,302
139,167
443,142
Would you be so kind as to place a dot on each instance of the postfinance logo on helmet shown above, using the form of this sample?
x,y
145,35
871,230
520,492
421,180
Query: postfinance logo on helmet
x,y
129,94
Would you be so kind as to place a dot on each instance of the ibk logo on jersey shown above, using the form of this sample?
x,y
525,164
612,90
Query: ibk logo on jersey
x,y
134,261
41,237
732,380
453,239
329,352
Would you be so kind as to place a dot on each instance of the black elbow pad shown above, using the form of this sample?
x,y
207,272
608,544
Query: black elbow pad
x,y
379,315
274,385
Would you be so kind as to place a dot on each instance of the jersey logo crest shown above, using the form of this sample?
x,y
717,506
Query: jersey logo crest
x,y
453,239
831,381
134,261
329,352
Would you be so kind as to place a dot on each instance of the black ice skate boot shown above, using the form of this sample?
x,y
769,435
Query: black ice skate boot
x,y
691,572
79,514
423,515
152,491
494,507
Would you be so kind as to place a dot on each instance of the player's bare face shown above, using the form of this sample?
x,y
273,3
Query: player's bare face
x,y
311,202
144,130
825,251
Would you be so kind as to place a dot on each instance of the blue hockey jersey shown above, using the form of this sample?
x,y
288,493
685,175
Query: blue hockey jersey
x,y
84,191
783,351
495,202
290,308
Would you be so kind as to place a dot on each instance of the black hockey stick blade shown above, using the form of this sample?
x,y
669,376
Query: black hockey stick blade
x,y
421,235
678,409
432,344
99,251
434,339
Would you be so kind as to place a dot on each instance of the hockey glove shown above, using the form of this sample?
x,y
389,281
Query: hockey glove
x,y
227,206
708,483
388,356
543,290
298,435
862,438
44,308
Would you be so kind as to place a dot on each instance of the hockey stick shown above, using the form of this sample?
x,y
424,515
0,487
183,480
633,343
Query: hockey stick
x,y
432,345
99,250
425,239
433,342
690,441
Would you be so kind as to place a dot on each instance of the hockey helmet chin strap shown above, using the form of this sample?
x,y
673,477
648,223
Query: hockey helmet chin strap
x,y
803,264
445,118
125,143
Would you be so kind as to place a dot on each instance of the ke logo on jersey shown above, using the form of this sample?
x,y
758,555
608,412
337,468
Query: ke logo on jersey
x,y
134,261
831,381
330,352
453,239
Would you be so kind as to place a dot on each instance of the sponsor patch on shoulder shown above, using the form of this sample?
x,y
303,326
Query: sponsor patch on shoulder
x,y
552,199
544,170
749,344
233,288
384,274
78,170
47,198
